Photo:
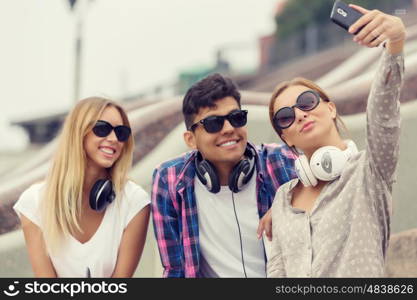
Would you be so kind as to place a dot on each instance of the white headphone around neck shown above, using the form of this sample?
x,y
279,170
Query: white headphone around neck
x,y
326,163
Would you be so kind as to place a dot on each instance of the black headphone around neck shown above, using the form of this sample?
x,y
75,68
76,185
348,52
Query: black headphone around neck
x,y
241,174
101,194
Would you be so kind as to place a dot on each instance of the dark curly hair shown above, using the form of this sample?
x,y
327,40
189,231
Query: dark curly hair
x,y
205,93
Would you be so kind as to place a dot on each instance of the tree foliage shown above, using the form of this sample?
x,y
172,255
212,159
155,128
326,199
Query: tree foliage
x,y
299,14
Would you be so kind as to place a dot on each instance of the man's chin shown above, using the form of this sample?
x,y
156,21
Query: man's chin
x,y
228,158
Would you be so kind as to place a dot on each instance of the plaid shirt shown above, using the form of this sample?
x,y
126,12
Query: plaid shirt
x,y
174,207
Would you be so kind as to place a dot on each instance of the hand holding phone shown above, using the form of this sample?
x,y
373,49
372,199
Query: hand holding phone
x,y
371,27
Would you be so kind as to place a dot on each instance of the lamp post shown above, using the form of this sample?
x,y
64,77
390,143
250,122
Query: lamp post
x,y
78,8
78,50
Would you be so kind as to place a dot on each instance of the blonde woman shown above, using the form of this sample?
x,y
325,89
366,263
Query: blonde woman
x,y
87,219
334,219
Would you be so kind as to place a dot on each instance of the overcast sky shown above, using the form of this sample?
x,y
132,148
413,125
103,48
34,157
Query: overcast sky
x,y
129,46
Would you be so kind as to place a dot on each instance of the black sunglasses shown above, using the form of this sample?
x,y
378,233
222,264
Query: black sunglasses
x,y
285,116
213,124
103,129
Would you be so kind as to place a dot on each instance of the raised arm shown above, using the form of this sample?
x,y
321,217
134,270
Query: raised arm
x,y
166,227
383,111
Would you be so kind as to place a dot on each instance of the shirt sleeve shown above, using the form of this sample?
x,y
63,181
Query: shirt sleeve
x,y
383,116
28,204
137,200
166,226
279,163
275,264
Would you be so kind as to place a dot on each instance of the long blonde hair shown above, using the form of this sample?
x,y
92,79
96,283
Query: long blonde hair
x,y
62,198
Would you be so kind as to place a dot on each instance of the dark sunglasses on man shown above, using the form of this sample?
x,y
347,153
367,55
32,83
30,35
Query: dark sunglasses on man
x,y
285,116
103,129
212,124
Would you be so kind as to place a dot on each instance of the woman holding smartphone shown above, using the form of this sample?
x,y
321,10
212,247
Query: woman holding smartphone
x,y
87,218
334,219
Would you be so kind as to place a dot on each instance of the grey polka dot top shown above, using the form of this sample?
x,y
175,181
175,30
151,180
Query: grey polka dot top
x,y
346,233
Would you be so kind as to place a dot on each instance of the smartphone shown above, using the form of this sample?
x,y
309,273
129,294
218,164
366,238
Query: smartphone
x,y
344,16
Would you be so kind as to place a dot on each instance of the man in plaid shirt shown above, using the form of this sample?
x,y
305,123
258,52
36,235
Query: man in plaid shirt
x,y
209,205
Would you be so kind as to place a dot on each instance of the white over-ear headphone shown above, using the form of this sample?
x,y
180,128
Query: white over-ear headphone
x,y
326,163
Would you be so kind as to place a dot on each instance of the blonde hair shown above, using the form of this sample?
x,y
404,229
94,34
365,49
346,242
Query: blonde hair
x,y
62,197
307,83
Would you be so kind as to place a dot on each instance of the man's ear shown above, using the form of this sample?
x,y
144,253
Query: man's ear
x,y
189,139
332,109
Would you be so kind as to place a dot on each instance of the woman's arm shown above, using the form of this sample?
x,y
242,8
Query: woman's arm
x,y
275,264
38,255
383,110
131,246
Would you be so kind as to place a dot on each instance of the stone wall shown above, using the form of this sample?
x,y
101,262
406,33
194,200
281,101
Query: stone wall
x,y
402,254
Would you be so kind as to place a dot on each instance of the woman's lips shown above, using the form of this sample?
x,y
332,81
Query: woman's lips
x,y
107,152
307,126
